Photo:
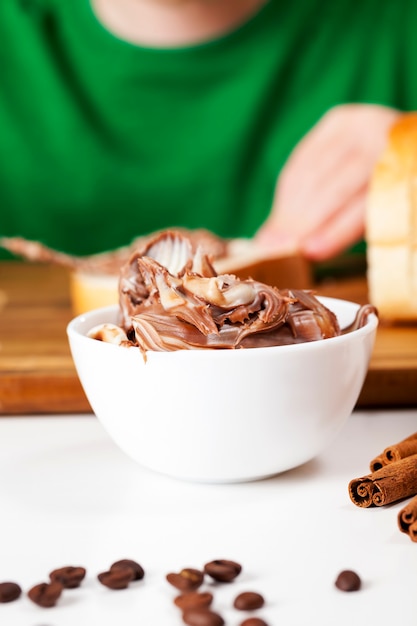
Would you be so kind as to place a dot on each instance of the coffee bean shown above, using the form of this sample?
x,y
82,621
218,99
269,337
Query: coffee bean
x,y
223,570
69,577
253,621
202,617
45,594
137,569
193,600
188,579
248,601
348,581
9,591
117,578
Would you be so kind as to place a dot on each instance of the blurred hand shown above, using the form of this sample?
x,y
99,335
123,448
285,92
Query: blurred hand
x,y
319,203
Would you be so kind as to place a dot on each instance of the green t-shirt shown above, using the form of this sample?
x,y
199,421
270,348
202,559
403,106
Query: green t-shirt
x,y
102,140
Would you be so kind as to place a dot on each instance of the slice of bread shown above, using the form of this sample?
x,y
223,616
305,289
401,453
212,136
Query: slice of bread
x,y
90,291
391,225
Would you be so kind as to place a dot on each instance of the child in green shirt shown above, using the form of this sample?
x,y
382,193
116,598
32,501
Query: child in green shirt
x,y
118,118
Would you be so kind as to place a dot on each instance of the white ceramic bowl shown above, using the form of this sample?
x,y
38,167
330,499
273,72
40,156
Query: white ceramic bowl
x,y
223,415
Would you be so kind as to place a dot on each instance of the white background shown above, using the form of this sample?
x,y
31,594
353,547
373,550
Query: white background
x,y
68,496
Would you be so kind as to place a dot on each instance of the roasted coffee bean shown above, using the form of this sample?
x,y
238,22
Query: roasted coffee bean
x,y
253,621
188,579
222,570
45,594
9,592
202,617
348,581
69,577
117,578
248,601
193,600
137,569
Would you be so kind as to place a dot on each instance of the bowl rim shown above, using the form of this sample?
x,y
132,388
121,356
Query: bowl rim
x,y
370,327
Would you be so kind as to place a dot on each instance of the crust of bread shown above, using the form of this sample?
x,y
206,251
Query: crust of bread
x,y
245,260
391,224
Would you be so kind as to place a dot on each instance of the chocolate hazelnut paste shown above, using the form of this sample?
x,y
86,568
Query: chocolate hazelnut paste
x,y
171,298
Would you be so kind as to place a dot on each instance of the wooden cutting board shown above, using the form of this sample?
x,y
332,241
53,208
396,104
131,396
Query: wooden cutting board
x,y
37,374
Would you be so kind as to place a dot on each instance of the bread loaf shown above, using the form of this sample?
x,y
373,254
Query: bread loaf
x,y
391,225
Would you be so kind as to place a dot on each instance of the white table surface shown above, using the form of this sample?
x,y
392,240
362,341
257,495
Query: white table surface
x,y
68,496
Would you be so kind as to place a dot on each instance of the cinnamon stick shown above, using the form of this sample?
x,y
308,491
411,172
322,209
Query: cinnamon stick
x,y
395,452
392,482
407,519
378,462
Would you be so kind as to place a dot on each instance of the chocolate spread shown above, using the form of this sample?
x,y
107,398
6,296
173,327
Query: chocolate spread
x,y
171,298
